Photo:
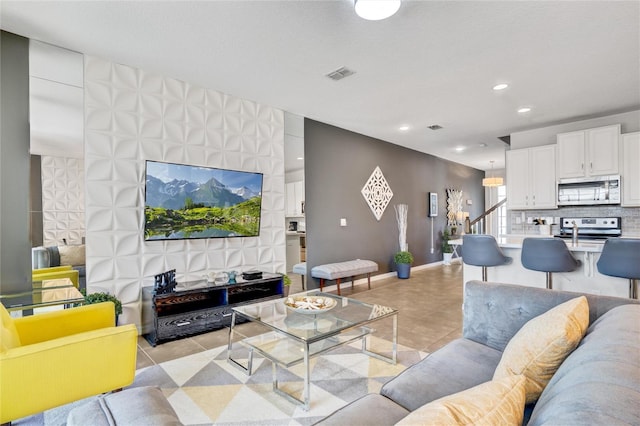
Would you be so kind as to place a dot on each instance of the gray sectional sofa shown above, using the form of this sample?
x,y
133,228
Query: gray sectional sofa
x,y
598,383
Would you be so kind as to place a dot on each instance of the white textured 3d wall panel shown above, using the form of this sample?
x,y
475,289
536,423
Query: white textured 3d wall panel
x,y
131,116
62,200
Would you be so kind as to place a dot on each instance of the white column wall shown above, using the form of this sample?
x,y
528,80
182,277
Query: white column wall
x,y
62,200
132,115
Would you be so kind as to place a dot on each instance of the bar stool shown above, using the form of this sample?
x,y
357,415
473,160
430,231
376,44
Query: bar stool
x,y
482,250
621,258
547,255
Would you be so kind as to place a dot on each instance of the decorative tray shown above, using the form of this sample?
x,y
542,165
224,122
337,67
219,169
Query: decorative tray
x,y
310,304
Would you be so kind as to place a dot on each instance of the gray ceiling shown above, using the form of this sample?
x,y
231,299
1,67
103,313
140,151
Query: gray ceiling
x,y
434,62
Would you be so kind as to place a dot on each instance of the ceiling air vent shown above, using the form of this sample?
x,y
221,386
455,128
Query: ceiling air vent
x,y
435,127
340,73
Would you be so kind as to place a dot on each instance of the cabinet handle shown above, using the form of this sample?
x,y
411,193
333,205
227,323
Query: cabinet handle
x,y
591,166
582,166
180,324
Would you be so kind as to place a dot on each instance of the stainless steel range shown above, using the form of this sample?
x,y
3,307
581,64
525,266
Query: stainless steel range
x,y
591,228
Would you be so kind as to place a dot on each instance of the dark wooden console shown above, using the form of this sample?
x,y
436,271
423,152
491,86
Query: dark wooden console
x,y
198,306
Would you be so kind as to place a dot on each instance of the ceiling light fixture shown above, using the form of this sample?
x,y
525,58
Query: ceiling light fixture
x,y
375,10
500,86
524,109
460,148
403,128
492,181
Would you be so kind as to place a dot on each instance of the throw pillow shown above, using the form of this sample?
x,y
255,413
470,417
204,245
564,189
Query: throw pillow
x,y
499,402
540,346
72,255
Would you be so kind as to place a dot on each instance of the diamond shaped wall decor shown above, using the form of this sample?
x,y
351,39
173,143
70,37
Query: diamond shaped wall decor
x,y
377,193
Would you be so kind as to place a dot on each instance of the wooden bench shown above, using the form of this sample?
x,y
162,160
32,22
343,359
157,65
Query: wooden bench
x,y
339,270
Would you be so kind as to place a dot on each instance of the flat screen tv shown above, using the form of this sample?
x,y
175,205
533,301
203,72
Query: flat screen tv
x,y
183,202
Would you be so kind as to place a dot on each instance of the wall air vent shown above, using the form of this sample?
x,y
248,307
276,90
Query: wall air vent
x,y
340,73
435,127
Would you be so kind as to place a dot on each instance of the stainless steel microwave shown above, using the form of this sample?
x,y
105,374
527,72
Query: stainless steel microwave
x,y
589,191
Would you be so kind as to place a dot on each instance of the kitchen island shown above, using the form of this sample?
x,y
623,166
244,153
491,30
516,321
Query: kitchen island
x,y
585,279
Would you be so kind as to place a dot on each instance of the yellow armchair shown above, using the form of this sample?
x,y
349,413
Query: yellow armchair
x,y
56,272
55,358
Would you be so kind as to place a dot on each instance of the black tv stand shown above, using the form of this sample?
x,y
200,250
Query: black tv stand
x,y
199,306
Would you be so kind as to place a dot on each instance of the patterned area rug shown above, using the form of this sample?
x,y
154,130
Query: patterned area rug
x,y
206,389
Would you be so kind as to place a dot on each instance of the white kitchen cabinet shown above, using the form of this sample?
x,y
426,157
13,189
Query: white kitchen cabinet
x,y
294,195
531,178
293,251
630,173
289,197
590,152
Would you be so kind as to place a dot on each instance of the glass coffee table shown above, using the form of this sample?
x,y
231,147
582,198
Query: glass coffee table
x,y
59,291
296,334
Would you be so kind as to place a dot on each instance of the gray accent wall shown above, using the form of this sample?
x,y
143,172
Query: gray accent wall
x,y
338,163
15,247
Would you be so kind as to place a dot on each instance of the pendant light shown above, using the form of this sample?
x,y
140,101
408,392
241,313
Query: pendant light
x,y
375,10
492,181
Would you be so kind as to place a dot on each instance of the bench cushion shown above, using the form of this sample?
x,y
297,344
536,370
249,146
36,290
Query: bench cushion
x,y
332,271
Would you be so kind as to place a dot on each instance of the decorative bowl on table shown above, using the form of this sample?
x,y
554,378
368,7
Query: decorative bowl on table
x,y
310,304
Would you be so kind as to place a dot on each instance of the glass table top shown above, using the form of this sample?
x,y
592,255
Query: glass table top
x,y
310,326
44,293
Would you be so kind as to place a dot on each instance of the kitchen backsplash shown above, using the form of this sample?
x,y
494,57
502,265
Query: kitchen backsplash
x,y
630,217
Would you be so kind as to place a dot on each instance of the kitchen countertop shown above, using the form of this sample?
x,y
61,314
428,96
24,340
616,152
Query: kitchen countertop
x,y
515,242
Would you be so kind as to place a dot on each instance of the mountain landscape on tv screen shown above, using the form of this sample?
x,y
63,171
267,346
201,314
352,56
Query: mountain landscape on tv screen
x,y
181,208
172,195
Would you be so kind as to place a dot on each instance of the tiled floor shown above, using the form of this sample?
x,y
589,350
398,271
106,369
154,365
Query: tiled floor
x,y
429,305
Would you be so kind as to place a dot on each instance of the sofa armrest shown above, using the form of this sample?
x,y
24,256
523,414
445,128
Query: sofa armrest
x,y
41,376
40,258
49,274
51,269
66,322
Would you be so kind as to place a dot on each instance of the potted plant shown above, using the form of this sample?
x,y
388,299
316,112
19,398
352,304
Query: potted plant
x,y
103,297
403,260
447,250
287,284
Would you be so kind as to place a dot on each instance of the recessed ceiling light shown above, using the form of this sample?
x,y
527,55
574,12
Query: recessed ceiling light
x,y
500,86
524,109
375,10
403,128
300,158
460,148
482,145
